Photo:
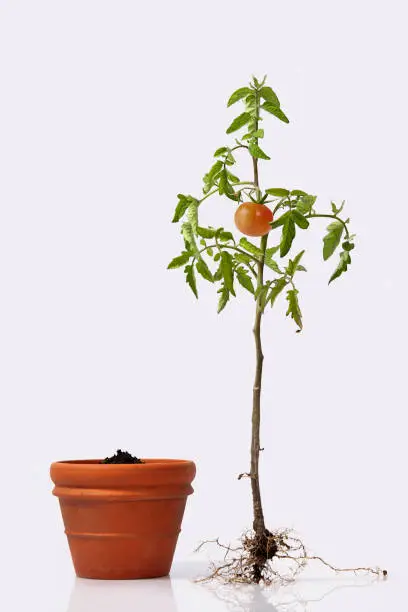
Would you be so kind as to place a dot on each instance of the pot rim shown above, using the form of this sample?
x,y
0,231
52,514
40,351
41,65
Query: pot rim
x,y
147,463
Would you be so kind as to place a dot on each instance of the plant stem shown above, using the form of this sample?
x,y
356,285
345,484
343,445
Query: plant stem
x,y
259,521
317,216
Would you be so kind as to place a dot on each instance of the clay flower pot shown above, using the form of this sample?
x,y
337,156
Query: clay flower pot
x,y
122,520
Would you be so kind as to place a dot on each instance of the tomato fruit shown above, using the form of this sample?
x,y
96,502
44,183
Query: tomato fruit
x,y
253,219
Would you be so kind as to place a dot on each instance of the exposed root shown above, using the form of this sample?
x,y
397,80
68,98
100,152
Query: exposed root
x,y
269,558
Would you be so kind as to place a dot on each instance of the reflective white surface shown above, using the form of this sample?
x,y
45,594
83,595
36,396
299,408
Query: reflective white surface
x,y
180,593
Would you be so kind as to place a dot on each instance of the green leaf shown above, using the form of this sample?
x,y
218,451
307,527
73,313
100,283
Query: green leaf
x,y
271,263
232,177
225,236
223,300
191,279
270,252
255,134
299,219
278,192
240,93
188,235
293,265
227,271
224,186
288,235
206,232
332,239
221,151
335,209
181,207
179,261
305,204
257,152
282,219
245,259
270,96
348,246
192,215
251,248
262,295
218,273
345,261
278,286
239,122
245,280
204,270
293,307
274,110
298,192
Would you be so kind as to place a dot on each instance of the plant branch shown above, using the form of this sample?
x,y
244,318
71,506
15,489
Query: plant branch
x,y
313,216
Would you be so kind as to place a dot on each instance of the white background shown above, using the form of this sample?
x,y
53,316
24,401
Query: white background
x,y
107,111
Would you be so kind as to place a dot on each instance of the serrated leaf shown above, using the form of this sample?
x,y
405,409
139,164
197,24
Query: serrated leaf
x,y
179,261
305,204
191,279
299,219
257,152
278,286
217,276
335,209
271,263
206,232
256,134
240,93
214,170
269,95
278,192
332,239
301,269
224,186
188,235
288,235
245,259
345,261
270,252
293,307
192,215
225,236
293,265
232,177
282,219
223,300
245,280
298,192
221,151
204,270
227,271
276,111
181,208
239,122
251,248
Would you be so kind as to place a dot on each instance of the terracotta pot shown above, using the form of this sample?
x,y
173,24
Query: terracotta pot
x,y
122,520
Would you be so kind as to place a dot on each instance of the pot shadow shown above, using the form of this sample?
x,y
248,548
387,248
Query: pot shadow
x,y
122,595
297,597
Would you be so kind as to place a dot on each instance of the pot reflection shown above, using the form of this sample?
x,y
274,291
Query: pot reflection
x,y
122,595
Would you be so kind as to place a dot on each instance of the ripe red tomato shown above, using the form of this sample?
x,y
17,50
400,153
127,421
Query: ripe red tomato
x,y
253,219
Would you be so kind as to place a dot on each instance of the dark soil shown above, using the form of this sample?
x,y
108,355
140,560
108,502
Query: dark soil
x,y
122,457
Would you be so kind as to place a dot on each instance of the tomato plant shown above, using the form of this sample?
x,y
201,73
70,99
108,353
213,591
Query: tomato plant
x,y
266,272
